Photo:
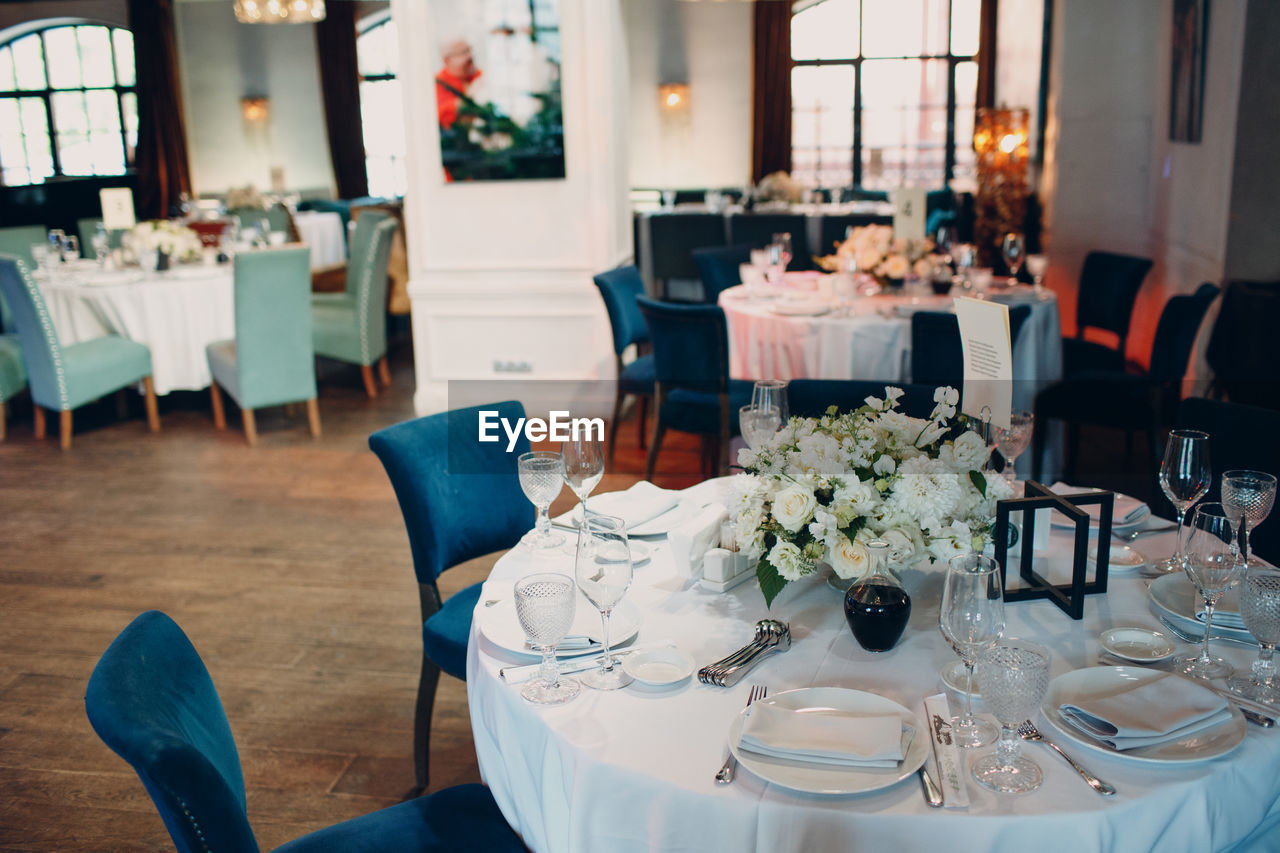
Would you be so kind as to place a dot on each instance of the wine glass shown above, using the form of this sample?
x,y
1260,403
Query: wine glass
x,y
771,394
783,241
1260,608
544,605
1038,265
1212,566
71,248
758,425
101,244
56,238
541,479
1184,476
1248,497
965,255
1013,440
946,238
1013,676
40,255
583,456
1014,249
971,619
603,569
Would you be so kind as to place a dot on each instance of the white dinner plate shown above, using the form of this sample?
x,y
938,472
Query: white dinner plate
x,y
824,778
1137,644
640,553
1061,522
1175,598
1084,684
799,309
501,627
658,667
1121,559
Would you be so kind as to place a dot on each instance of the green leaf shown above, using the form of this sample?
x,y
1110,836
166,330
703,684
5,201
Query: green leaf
x,y
979,482
771,583
851,529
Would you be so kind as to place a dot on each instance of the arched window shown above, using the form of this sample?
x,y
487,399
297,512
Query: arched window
x,y
381,110
883,91
67,102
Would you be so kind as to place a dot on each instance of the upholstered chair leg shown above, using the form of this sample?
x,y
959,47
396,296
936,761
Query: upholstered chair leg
x,y
384,372
153,412
658,429
2,420
39,422
122,404
250,427
313,417
726,431
613,424
644,418
427,681
64,428
219,413
370,388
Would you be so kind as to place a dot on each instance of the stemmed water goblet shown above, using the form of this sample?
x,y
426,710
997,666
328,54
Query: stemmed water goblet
x,y
101,244
1247,497
1014,249
771,394
1212,566
758,425
1185,476
1260,608
1038,265
583,456
603,570
544,605
1013,677
971,618
541,479
965,255
946,238
1013,440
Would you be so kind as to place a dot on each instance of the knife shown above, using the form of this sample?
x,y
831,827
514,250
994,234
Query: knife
x,y
946,755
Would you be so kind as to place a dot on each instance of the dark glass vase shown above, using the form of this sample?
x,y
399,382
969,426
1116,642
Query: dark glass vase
x,y
875,605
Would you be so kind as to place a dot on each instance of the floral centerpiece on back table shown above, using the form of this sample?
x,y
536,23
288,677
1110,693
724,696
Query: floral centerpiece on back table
x,y
176,241
875,251
824,487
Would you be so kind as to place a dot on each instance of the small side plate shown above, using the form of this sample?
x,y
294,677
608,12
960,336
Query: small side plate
x,y
1121,559
658,667
1137,644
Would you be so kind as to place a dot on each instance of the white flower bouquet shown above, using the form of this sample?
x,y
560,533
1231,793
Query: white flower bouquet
x,y
824,487
875,251
177,241
779,186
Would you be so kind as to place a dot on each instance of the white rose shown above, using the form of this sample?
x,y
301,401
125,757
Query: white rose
x,y
793,506
849,559
902,547
788,560
969,452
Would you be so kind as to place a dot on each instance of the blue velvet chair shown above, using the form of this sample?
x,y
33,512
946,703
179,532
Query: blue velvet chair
x,y
1109,285
672,239
63,378
692,389
13,375
619,288
461,499
937,355
17,241
718,269
151,700
270,362
352,326
809,398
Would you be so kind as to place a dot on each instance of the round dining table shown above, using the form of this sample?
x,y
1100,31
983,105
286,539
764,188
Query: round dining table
x,y
633,769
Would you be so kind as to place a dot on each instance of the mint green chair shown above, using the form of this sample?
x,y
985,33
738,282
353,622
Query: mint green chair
x,y
352,326
17,241
13,374
88,228
63,378
270,362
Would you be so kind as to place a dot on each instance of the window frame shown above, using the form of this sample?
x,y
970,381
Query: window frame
x,y
364,26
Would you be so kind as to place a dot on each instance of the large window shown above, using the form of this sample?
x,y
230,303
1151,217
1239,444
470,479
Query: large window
x,y
381,110
67,103
883,91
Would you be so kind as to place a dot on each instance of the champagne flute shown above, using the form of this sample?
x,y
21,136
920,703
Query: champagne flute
x,y
972,620
1260,608
758,425
783,241
771,394
1014,249
1014,676
583,457
541,479
1038,265
544,605
1248,497
603,570
1212,566
101,244
1184,476
1014,440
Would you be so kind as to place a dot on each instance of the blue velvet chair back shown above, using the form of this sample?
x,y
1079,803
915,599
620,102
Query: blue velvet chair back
x,y
674,236
17,241
1176,333
833,228
718,269
1109,285
757,230
274,354
460,498
152,701
809,398
690,345
41,349
619,288
937,355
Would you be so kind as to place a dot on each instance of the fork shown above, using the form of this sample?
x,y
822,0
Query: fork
x,y
725,775
1028,731
1187,637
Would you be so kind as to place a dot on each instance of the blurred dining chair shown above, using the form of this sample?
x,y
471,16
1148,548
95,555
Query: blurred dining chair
x,y
757,229
1109,285
17,241
63,378
833,229
810,398
13,376
718,269
672,239
461,499
270,362
619,288
351,326
152,701
692,389
937,354
1240,353
1124,398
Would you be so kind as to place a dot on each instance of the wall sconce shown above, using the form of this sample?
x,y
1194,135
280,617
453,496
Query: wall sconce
x,y
1000,141
673,98
255,110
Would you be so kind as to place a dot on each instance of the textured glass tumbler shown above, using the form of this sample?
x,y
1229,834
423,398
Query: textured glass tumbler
x,y
1014,677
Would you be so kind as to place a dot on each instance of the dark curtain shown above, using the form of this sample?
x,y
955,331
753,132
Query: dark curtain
x,y
340,83
988,16
164,173
771,109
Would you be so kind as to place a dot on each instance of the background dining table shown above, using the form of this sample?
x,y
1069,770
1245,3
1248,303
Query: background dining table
x,y
323,233
633,769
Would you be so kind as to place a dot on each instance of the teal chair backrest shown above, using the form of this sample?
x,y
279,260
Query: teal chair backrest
x,y
40,347
362,240
17,241
274,352
367,283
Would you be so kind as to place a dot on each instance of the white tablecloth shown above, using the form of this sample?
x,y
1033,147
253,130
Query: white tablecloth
x,y
322,232
632,770
177,314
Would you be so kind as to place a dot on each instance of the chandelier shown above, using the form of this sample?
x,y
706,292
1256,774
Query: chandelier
x,y
279,11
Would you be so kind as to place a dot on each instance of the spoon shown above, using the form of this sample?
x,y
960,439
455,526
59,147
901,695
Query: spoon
x,y
1131,535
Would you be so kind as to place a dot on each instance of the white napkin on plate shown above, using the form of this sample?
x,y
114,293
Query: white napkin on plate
x,y
1226,613
833,737
1165,709
690,541
1125,511
642,502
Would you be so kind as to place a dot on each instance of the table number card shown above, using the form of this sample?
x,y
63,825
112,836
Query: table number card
x,y
117,208
909,213
988,358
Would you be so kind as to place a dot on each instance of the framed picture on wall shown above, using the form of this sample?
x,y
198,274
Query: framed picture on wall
x,y
1186,82
498,89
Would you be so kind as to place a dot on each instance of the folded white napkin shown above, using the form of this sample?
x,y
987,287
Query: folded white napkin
x,y
1124,511
642,502
1226,613
1166,709
833,737
690,541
